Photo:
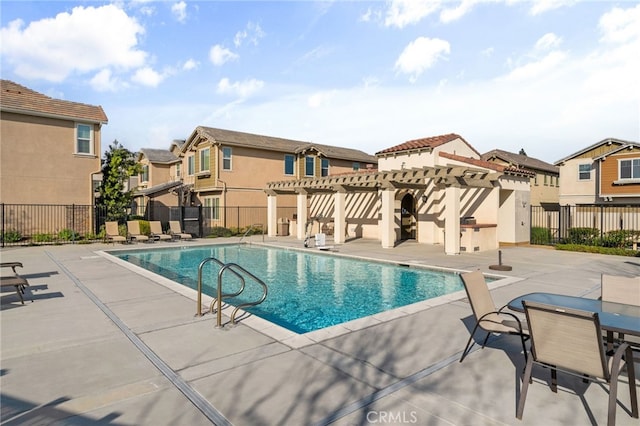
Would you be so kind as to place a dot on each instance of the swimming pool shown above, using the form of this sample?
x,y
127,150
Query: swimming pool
x,y
307,291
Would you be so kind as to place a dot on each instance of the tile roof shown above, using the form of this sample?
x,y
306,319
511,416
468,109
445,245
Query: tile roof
x,y
231,137
488,165
159,155
520,161
430,143
17,98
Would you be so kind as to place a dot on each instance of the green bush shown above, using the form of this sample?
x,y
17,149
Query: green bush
x,y
587,236
145,228
11,236
68,235
43,238
599,250
219,231
540,235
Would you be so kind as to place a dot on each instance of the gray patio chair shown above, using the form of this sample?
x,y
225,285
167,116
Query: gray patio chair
x,y
571,341
488,318
619,289
133,229
112,233
15,281
156,231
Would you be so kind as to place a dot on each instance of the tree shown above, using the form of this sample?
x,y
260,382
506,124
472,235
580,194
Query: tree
x,y
118,165
522,152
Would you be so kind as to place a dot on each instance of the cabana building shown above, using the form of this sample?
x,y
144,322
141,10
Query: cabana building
x,y
434,190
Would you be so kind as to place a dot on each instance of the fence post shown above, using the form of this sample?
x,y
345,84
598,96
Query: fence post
x,y
2,224
601,221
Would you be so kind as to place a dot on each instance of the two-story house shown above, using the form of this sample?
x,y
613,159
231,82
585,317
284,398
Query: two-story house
x,y
222,169
50,151
607,172
545,185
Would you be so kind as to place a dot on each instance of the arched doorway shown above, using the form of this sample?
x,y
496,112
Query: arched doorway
x,y
408,218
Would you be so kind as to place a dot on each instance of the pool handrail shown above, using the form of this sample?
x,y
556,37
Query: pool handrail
x,y
221,264
220,295
255,225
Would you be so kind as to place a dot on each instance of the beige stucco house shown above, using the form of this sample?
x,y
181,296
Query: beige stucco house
x,y
50,148
607,172
218,168
545,184
435,190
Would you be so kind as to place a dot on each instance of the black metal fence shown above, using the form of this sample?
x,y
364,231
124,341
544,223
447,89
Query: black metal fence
x,y
576,224
34,224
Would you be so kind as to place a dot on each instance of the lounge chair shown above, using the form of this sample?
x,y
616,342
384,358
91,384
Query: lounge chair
x,y
15,281
174,229
133,229
571,341
487,317
112,233
156,231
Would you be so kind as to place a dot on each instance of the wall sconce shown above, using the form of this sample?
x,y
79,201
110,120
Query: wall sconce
x,y
424,198
524,204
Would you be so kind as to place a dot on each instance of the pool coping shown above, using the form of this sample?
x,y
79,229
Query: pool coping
x,y
296,340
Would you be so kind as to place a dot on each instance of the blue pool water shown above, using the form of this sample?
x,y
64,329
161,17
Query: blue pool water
x,y
307,291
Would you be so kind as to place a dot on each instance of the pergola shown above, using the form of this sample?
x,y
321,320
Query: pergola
x,y
450,178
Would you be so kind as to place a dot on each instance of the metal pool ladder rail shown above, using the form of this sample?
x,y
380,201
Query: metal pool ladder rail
x,y
251,228
240,273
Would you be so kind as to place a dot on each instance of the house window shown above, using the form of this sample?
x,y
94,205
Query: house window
x,y
584,172
204,160
84,135
212,208
630,169
356,167
546,180
289,161
178,170
144,175
191,165
535,180
226,158
309,166
324,167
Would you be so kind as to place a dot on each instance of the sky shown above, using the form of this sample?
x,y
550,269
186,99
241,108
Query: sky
x,y
548,76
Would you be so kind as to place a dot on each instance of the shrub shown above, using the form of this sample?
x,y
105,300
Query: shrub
x,y
586,236
11,236
599,250
68,235
219,231
145,228
42,238
540,235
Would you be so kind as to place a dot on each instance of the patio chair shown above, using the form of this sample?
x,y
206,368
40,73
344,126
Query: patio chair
x,y
174,228
625,290
570,340
156,231
133,229
488,318
15,281
112,233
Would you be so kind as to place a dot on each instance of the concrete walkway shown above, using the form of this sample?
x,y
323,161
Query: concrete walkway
x,y
103,344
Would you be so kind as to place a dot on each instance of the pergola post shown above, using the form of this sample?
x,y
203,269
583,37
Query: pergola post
x,y
339,215
301,208
387,223
452,220
272,212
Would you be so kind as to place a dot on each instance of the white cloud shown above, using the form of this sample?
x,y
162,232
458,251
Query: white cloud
x,y
538,68
220,54
541,6
420,55
319,99
252,33
148,77
547,42
79,42
190,64
179,10
405,12
240,89
487,53
104,81
455,13
620,25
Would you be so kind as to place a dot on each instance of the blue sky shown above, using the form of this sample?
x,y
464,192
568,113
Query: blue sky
x,y
549,76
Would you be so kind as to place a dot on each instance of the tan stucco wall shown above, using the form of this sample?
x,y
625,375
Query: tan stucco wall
x,y
544,193
572,190
424,158
38,164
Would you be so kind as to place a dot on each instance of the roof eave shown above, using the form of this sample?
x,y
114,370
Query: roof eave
x,y
48,115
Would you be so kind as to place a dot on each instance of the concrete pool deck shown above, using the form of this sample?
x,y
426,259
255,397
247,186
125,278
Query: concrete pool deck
x,y
103,344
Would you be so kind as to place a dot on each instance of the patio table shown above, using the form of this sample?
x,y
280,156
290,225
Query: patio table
x,y
614,317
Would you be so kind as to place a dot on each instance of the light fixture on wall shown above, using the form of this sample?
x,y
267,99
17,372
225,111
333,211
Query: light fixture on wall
x,y
524,204
424,198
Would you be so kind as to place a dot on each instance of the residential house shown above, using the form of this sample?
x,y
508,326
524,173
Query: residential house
x,y
434,190
223,169
49,155
605,173
545,185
